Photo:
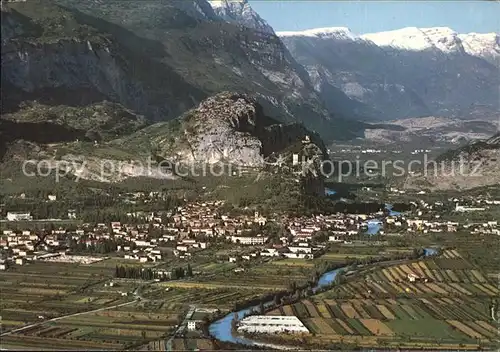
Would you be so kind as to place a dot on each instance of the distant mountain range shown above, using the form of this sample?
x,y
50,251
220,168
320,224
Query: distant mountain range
x,y
158,59
410,72
75,73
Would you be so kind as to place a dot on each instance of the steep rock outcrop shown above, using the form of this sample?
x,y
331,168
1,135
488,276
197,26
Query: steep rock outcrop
x,y
242,13
228,127
157,58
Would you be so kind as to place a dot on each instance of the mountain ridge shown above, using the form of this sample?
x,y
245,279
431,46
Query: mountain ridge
x,y
158,58
423,38
242,13
404,73
396,82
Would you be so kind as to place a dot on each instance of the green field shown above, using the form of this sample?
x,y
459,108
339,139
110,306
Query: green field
x,y
379,306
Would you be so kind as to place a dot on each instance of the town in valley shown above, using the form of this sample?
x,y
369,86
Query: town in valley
x,y
194,175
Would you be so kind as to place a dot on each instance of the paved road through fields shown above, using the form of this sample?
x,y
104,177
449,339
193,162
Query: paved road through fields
x,y
182,326
65,316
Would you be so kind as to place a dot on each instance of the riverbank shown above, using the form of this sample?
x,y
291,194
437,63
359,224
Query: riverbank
x,y
223,329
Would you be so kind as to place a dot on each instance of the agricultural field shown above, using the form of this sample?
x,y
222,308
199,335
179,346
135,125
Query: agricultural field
x,y
53,289
343,253
446,307
192,344
267,274
257,277
449,275
71,306
481,251
183,293
127,326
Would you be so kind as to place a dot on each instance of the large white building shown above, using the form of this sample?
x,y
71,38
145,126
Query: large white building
x,y
249,239
12,216
462,209
191,325
300,249
271,324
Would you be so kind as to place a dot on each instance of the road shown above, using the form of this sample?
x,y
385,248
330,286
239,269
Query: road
x,y
180,328
64,317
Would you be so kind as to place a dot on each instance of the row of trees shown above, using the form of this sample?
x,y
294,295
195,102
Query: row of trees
x,y
180,272
90,206
103,246
139,272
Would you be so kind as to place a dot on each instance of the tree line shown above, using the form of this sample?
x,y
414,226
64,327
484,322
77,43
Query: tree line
x,y
141,273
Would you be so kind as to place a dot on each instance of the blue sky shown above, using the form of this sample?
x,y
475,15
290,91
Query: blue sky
x,y
375,16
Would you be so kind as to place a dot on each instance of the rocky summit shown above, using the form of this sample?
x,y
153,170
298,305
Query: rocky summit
x,y
157,58
228,127
241,12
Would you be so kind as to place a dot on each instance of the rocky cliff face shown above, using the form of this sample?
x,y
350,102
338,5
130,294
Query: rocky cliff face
x,y
228,127
157,58
406,73
48,55
242,13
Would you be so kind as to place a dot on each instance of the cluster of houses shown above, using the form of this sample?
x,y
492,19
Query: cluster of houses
x,y
142,255
188,229
21,247
193,227
25,246
429,218
337,225
296,250
300,250
443,226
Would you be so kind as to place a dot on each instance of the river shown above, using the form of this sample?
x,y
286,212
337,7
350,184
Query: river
x,y
330,192
221,329
375,225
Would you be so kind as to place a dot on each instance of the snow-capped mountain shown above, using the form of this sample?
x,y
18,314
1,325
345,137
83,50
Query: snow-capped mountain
x,y
409,72
416,39
486,46
442,39
241,12
328,32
